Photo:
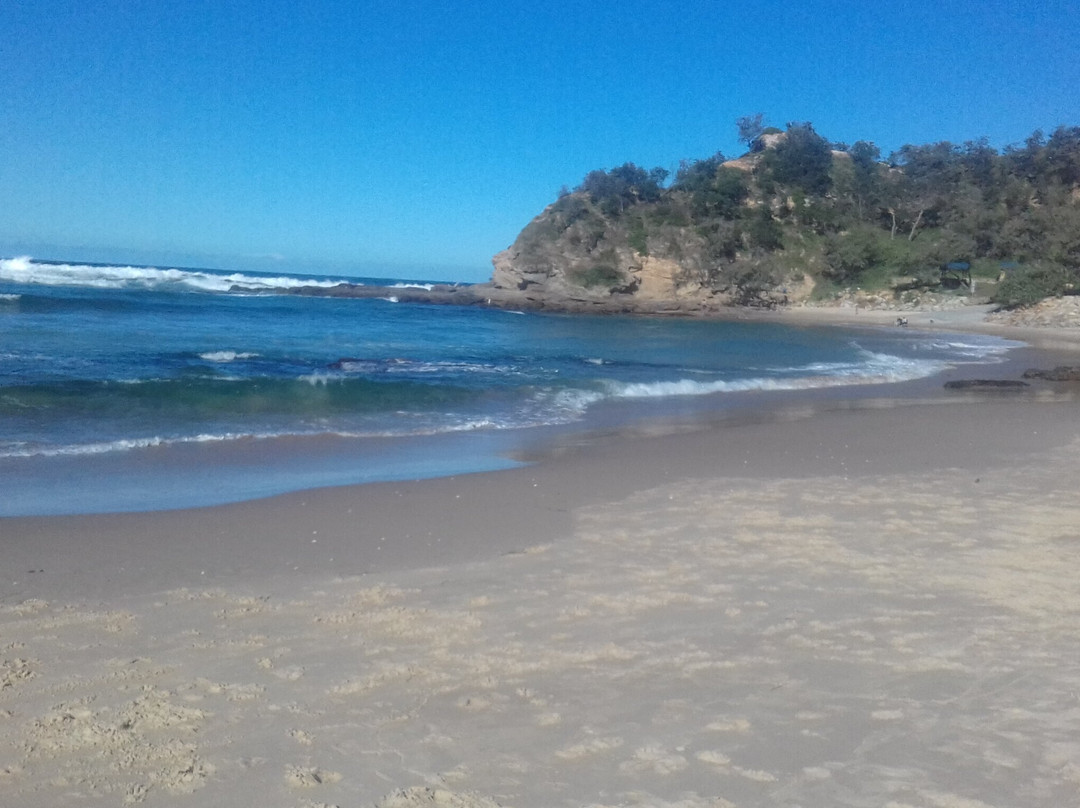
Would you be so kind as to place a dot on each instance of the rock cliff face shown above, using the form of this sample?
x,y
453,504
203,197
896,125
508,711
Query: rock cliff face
x,y
573,257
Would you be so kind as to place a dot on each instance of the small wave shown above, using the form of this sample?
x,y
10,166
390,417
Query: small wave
x,y
686,387
976,351
22,449
6,298
318,379
397,365
123,445
226,356
558,405
404,285
25,270
350,365
884,369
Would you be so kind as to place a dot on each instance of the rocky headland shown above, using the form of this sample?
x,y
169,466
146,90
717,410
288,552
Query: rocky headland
x,y
801,222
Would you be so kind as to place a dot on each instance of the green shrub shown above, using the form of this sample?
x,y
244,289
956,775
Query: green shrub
x,y
802,159
851,254
764,231
638,237
1027,285
600,275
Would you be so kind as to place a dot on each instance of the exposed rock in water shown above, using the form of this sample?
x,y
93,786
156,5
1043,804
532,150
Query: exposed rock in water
x,y
1062,373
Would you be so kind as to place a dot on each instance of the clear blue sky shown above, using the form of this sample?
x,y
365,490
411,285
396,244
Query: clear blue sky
x,y
420,137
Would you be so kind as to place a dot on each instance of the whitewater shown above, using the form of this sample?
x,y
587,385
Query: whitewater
x,y
138,388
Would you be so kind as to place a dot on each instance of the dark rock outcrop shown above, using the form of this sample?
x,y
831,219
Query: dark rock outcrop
x,y
986,384
1062,373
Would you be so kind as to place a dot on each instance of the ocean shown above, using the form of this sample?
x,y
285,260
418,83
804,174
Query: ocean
x,y
126,388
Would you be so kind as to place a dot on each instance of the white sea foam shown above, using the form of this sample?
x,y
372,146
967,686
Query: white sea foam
x,y
318,379
23,449
105,447
226,356
976,349
878,369
24,270
404,285
413,366
9,298
450,367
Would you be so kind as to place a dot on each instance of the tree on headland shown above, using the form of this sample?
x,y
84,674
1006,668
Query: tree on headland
x,y
750,128
626,185
802,158
866,170
714,189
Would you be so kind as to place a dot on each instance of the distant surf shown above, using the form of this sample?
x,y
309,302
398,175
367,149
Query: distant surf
x,y
25,270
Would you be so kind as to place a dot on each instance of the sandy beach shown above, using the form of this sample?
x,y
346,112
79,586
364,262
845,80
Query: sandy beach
x,y
859,601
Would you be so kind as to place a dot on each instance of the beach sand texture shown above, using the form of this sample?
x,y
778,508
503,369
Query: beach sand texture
x,y
865,639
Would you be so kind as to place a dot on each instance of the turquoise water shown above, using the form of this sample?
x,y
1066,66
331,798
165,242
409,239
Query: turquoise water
x,y
135,388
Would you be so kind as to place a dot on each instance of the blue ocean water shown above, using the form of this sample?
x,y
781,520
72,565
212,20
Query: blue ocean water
x,y
137,388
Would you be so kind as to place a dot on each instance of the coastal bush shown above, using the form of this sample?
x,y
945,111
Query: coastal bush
x,y
802,159
599,275
723,240
638,237
1027,285
813,214
714,189
948,246
669,213
615,190
849,255
764,231
752,282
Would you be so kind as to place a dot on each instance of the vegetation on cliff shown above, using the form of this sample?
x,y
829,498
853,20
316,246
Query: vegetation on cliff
x,y
800,211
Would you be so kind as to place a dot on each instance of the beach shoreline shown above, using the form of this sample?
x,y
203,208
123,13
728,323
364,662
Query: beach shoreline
x,y
644,617
747,429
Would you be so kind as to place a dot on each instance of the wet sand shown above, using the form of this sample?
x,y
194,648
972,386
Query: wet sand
x,y
856,601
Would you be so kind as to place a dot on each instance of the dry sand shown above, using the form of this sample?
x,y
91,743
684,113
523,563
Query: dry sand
x,y
869,603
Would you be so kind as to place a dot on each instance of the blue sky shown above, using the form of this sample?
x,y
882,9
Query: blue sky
x,y
418,138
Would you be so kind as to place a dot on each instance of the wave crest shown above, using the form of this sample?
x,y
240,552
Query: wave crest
x,y
226,356
25,270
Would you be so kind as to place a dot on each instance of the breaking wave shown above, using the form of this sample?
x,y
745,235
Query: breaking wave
x,y
876,369
226,356
106,276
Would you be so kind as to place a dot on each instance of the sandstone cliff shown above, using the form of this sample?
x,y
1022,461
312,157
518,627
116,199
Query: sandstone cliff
x,y
572,256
